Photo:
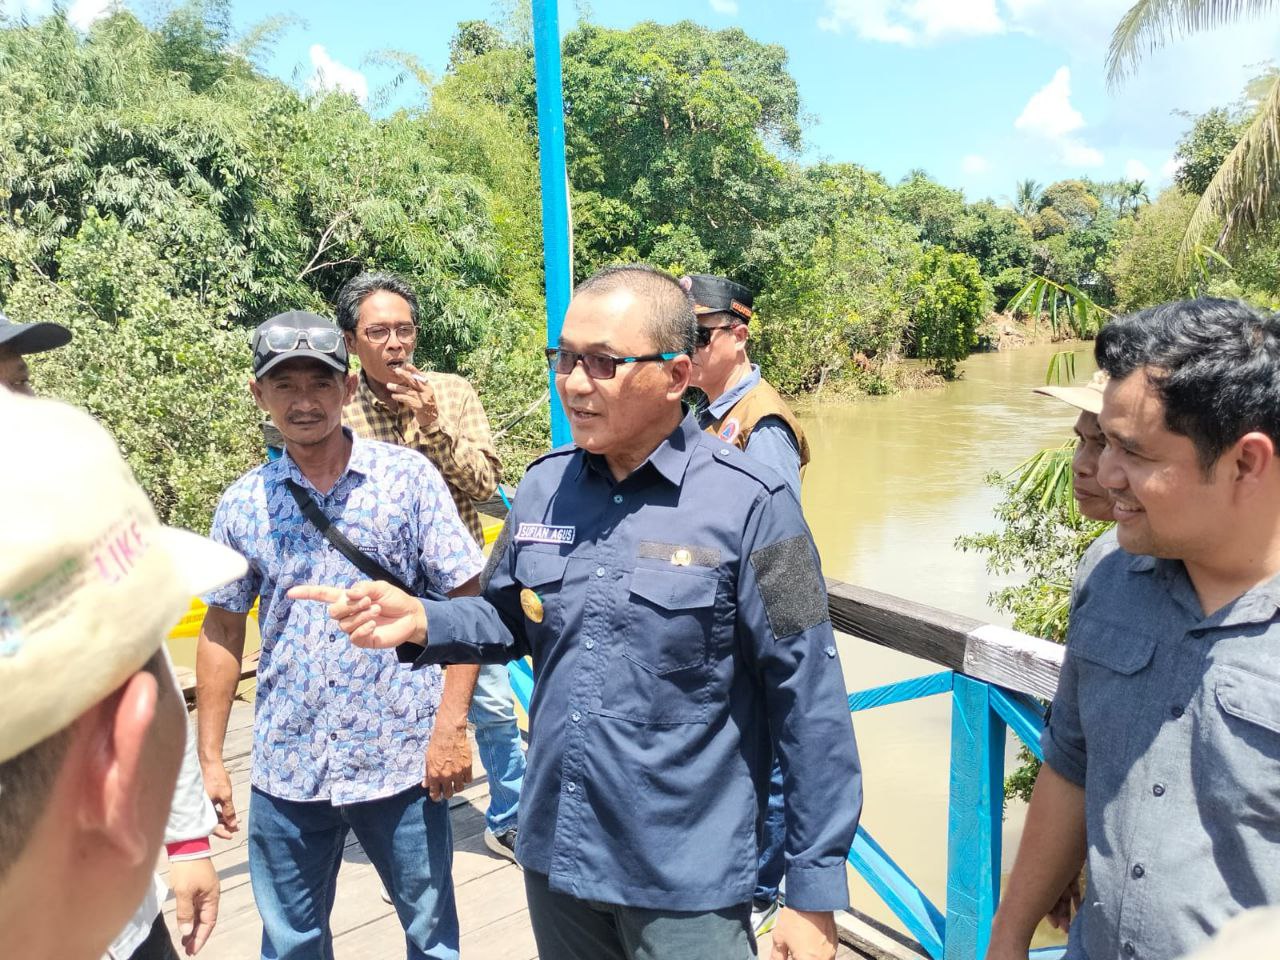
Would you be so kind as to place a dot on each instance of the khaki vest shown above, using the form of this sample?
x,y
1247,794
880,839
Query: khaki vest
x,y
759,402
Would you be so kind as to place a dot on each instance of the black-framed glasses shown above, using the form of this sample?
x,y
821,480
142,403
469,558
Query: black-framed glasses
x,y
283,339
405,333
703,338
599,366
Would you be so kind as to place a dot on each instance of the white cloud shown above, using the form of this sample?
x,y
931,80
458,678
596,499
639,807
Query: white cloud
x,y
974,164
84,13
1136,170
332,75
728,7
1049,112
912,22
1049,116
1169,169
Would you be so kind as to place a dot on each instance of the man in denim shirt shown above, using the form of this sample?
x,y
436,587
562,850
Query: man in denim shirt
x,y
340,733
670,594
1162,751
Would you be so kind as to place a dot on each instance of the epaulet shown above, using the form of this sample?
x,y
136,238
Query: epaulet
x,y
730,456
567,450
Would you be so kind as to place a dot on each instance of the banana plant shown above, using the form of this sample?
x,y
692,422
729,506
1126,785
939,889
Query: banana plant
x,y
1070,310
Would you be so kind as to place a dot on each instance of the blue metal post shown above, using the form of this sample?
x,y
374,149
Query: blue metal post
x,y
976,814
555,201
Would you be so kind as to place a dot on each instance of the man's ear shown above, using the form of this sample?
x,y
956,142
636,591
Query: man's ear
x,y
680,372
742,333
112,779
349,386
349,339
1254,461
255,389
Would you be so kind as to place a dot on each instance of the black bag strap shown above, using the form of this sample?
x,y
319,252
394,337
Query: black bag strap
x,y
370,567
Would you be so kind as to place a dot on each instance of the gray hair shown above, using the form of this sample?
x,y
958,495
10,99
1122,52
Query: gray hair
x,y
362,286
670,322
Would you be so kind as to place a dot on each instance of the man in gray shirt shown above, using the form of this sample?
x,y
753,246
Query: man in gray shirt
x,y
1162,750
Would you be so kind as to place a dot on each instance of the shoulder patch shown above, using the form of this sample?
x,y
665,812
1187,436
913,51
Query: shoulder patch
x,y
791,586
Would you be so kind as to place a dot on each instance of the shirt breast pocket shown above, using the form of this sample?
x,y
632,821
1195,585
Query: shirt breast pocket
x,y
1108,656
1236,753
664,671
540,575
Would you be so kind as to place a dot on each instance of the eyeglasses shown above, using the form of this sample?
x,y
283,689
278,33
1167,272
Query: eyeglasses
x,y
704,333
284,339
405,333
599,366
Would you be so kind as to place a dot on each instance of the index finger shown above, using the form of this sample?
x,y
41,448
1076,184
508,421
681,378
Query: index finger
x,y
315,591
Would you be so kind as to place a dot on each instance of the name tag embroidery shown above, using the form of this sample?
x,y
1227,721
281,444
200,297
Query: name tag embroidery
x,y
542,533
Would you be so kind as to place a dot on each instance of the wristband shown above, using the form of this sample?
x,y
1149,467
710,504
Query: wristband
x,y
188,849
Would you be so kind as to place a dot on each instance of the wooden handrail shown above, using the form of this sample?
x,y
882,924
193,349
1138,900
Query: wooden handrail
x,y
980,650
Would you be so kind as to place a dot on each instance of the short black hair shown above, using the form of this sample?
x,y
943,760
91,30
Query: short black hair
x,y
671,321
1215,364
362,286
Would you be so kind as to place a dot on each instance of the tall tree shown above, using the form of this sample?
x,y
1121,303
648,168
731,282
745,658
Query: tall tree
x,y
1245,192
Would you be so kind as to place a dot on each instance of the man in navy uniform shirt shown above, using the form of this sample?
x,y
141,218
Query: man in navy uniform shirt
x,y
671,597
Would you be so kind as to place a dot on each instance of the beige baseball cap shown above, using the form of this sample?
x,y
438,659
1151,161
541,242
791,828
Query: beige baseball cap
x,y
1087,397
90,581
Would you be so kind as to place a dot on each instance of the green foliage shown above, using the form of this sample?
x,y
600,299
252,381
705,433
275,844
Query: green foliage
x,y
951,299
1145,268
1202,149
933,208
1069,309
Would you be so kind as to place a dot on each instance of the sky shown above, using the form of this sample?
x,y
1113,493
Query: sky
x,y
979,93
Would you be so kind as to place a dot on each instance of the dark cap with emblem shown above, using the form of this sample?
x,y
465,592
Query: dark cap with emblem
x,y
713,294
295,334
32,337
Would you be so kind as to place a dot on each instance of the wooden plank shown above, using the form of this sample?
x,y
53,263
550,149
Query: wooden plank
x,y
863,936
1015,660
904,625
983,651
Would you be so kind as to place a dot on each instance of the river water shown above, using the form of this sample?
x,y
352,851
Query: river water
x,y
893,481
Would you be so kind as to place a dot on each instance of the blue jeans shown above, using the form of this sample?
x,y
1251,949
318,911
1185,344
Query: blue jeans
x,y
498,740
295,850
773,837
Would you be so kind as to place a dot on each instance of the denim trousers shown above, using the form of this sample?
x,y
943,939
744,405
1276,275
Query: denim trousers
x,y
567,928
773,836
295,850
498,741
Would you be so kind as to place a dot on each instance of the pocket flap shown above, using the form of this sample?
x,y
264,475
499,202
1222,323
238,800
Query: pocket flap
x,y
1117,647
1248,697
672,589
534,568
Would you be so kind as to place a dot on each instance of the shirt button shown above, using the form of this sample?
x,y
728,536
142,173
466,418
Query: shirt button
x,y
1129,949
575,716
1138,871
599,571
333,736
722,452
588,643
617,498
571,787
829,651
1177,712
1158,789
333,683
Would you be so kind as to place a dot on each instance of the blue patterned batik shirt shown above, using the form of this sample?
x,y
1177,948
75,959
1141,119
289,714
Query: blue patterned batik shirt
x,y
333,721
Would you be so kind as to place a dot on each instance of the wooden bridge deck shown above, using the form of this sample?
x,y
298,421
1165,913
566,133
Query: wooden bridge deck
x,y
490,891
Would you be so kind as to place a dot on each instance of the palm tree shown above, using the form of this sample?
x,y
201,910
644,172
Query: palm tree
x,y
1026,197
1245,191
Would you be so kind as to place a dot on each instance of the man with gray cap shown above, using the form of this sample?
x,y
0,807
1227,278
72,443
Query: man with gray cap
x,y
19,339
92,724
341,733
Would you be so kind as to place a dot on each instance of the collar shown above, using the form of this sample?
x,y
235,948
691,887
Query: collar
x,y
670,460
360,463
365,393
1257,605
735,393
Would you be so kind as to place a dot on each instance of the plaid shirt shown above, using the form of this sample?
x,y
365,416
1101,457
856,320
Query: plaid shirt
x,y
458,443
